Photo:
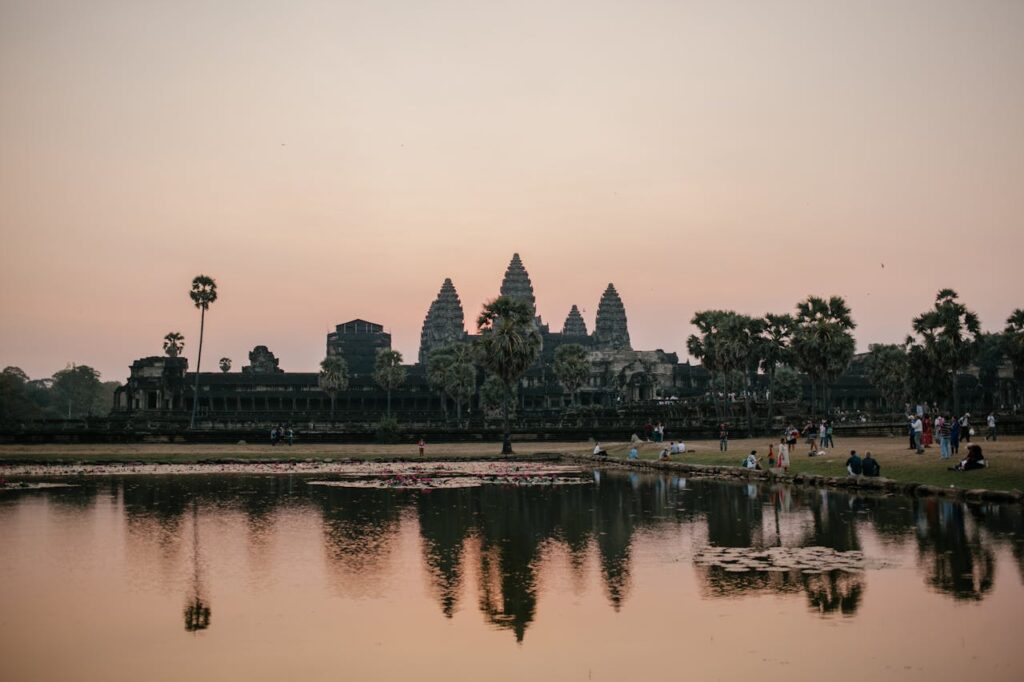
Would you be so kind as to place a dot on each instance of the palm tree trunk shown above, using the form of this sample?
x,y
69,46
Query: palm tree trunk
x,y
199,361
506,441
332,405
956,395
458,411
389,403
771,398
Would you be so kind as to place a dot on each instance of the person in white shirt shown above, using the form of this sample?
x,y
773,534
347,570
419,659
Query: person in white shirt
x,y
918,434
599,451
991,435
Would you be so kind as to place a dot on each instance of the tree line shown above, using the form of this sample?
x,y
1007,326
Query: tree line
x,y
75,392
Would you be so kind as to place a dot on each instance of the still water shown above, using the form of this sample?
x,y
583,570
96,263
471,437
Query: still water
x,y
267,578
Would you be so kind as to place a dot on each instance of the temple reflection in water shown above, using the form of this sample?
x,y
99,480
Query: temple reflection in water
x,y
499,540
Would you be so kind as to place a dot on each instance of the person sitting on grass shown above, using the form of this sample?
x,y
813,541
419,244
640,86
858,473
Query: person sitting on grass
x,y
663,456
870,466
974,460
599,451
677,448
854,466
633,454
752,462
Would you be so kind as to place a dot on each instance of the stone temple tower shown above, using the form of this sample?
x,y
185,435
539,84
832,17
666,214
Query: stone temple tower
x,y
611,331
444,323
517,284
574,324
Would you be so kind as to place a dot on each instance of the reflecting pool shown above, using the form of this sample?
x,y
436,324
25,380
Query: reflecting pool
x,y
633,576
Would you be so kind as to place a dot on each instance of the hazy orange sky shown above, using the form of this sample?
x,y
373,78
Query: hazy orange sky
x,y
331,160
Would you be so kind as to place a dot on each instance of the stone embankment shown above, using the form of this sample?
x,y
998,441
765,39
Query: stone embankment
x,y
857,483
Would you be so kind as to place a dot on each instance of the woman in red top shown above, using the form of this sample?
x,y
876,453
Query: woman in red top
x,y
926,437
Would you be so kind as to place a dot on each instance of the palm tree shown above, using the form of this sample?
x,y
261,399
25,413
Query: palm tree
x,y
203,293
823,344
388,372
739,351
776,350
509,344
1013,345
225,365
173,343
333,377
572,367
704,348
439,367
948,335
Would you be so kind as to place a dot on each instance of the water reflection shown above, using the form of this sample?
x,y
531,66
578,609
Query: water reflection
x,y
505,536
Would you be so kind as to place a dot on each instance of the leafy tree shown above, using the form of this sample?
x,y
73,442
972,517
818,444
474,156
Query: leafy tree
x,y
495,394
572,367
78,387
888,368
333,377
1013,345
776,351
225,365
823,344
15,404
989,358
203,294
789,384
925,379
388,372
947,334
461,380
174,342
509,343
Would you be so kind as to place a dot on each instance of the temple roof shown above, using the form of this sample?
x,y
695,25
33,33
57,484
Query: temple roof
x,y
574,323
611,330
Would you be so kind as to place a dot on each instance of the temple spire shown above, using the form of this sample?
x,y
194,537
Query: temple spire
x,y
574,324
611,331
444,323
517,285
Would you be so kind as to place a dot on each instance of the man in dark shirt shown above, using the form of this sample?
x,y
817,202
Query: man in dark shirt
x,y
870,466
853,464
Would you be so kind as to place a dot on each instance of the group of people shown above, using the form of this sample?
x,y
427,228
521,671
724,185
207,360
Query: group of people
x,y
868,466
279,433
816,435
654,432
950,430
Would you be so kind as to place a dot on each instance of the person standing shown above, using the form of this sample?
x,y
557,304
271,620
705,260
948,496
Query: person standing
x,y
965,427
991,434
723,437
823,434
910,432
945,433
918,427
784,445
423,446
954,437
828,434
926,435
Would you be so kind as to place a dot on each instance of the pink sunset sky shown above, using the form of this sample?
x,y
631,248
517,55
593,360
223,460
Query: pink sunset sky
x,y
331,160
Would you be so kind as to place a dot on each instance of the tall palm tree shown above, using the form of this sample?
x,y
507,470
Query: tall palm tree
x,y
1013,345
704,347
776,350
739,351
225,365
203,293
887,367
948,334
509,344
174,342
333,377
439,369
572,367
461,381
388,371
823,342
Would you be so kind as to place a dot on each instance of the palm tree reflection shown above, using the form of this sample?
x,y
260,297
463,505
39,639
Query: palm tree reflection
x,y
197,611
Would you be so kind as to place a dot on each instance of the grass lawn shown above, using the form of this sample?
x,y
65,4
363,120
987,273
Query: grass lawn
x,y
1005,459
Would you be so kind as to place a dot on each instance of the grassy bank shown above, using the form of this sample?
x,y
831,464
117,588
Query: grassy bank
x,y
1005,471
198,453
1005,458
